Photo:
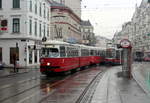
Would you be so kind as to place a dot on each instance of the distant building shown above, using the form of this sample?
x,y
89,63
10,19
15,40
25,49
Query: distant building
x,y
88,37
125,33
25,23
74,5
137,30
102,42
65,24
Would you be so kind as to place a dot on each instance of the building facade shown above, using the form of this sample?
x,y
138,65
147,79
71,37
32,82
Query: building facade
x,y
25,23
65,24
125,33
138,29
74,5
88,37
102,42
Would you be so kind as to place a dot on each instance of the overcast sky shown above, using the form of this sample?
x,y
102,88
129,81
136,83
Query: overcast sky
x,y
107,16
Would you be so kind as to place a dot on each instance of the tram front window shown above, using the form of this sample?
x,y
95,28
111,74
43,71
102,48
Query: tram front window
x,y
50,52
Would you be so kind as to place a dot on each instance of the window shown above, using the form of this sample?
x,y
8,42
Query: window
x,y
35,8
16,25
40,30
92,52
30,56
50,52
30,27
62,51
35,56
84,52
35,28
148,1
44,12
44,31
40,9
31,5
0,4
16,3
0,54
47,31
14,51
48,14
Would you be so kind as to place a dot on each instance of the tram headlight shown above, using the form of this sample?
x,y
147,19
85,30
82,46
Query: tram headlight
x,y
48,64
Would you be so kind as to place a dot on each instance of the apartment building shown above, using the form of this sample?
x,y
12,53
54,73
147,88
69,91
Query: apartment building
x,y
23,25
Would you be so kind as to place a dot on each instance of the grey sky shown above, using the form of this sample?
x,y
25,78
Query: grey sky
x,y
107,16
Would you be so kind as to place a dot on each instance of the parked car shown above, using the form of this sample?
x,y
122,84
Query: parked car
x,y
147,59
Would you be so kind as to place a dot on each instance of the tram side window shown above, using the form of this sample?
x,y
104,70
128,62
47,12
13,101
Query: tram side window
x,y
92,52
62,51
76,52
99,53
68,52
102,53
96,52
84,52
72,52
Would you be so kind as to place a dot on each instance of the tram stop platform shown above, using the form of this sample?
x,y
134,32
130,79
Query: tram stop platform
x,y
115,89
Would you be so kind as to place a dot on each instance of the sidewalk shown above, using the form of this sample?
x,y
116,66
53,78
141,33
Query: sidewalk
x,y
114,89
10,71
141,73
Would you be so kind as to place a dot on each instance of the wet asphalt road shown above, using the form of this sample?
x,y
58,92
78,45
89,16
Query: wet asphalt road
x,y
33,87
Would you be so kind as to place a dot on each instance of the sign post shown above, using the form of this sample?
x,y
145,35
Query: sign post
x,y
126,58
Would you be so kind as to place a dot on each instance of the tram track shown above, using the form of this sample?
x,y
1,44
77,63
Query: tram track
x,y
87,94
17,79
33,90
19,82
23,90
20,90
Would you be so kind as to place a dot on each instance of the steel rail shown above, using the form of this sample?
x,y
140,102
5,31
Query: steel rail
x,y
88,92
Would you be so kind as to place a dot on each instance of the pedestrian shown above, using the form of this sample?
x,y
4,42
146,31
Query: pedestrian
x,y
14,61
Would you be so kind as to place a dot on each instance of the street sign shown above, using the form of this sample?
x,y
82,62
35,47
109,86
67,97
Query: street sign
x,y
3,28
125,43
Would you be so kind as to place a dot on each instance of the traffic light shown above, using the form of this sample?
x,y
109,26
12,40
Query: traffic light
x,y
3,23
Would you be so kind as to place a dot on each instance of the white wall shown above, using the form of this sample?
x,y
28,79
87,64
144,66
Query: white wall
x,y
7,12
9,39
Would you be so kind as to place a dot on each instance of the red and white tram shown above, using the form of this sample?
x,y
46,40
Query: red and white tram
x,y
113,56
61,56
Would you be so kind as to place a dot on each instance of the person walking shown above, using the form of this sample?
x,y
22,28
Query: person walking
x,y
14,62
